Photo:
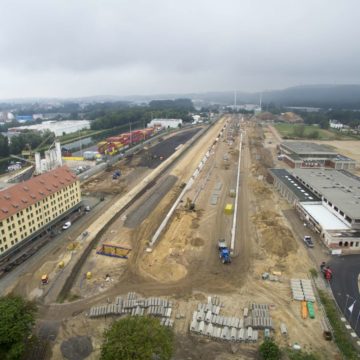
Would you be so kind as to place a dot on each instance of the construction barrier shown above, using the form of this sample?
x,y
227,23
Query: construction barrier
x,y
73,158
304,310
113,250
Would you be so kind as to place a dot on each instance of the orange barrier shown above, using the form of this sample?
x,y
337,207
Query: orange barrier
x,y
304,310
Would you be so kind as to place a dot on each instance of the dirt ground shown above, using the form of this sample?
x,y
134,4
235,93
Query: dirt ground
x,y
184,265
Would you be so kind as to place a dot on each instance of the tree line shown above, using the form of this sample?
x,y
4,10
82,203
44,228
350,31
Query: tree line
x,y
179,108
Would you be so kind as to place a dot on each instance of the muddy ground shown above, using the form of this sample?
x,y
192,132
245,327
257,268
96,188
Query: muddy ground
x,y
184,265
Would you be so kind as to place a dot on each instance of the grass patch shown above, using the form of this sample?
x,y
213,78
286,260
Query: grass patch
x,y
313,273
341,336
309,132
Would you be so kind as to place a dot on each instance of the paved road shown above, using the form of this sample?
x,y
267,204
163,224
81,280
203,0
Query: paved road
x,y
345,286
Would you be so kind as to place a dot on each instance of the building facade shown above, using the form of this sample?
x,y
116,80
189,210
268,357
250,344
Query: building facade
x,y
166,123
29,207
328,201
307,155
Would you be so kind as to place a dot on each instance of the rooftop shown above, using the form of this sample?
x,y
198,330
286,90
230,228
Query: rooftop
x,y
308,148
22,195
324,217
300,191
339,187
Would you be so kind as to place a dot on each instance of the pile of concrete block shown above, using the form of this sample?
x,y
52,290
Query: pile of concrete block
x,y
135,306
260,316
302,290
207,321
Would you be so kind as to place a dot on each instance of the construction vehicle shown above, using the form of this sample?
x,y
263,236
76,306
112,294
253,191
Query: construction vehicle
x,y
44,279
189,206
326,271
224,252
116,174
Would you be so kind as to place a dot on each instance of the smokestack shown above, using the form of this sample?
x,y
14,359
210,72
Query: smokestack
x,y
58,153
37,163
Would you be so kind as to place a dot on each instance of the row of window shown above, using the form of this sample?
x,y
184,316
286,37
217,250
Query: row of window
x,y
13,236
43,203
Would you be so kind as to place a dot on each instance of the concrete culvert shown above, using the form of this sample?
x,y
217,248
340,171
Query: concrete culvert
x,y
76,348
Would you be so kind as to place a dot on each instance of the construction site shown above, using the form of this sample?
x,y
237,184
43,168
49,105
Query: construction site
x,y
189,232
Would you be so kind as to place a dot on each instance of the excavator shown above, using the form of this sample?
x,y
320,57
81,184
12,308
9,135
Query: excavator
x,y
189,205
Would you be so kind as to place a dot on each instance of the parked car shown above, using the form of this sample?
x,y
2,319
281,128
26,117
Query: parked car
x,y
308,241
66,225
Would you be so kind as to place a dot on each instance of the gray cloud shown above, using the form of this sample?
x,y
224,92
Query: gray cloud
x,y
88,47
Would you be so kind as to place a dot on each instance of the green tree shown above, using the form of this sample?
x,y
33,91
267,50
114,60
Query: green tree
x,y
269,350
137,338
17,316
4,146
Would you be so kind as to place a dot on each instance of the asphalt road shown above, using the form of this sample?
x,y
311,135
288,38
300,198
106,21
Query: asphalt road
x,y
345,287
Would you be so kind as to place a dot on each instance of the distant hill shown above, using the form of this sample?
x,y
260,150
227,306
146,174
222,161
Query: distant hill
x,y
347,96
325,96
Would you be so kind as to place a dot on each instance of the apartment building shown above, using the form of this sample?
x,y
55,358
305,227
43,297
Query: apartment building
x,y
28,208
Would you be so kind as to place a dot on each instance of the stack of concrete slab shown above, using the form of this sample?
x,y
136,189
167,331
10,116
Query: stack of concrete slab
x,y
136,306
308,290
260,316
302,290
296,289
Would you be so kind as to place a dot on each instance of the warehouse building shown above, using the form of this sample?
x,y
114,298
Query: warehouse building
x,y
300,154
327,200
30,207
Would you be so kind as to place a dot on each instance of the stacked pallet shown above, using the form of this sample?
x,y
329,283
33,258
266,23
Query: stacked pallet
x,y
302,290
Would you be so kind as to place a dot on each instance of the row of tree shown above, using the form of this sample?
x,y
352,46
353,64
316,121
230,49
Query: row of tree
x,y
25,140
157,109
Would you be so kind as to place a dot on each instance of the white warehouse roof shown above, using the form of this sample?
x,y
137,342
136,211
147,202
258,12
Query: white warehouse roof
x,y
324,217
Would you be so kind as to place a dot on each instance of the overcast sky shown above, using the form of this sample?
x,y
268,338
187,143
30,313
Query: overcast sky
x,y
67,48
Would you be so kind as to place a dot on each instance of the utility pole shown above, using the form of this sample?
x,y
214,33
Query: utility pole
x,y
357,320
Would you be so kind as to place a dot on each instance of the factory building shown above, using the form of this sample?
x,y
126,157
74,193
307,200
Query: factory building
x,y
166,123
29,208
300,154
327,200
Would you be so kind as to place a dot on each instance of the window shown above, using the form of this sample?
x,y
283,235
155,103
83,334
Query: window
x,y
336,209
357,244
351,243
340,243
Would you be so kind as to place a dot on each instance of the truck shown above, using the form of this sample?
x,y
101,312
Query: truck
x,y
224,252
326,271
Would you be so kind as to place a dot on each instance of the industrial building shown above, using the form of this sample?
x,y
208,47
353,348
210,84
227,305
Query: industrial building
x,y
301,154
327,200
30,207
166,123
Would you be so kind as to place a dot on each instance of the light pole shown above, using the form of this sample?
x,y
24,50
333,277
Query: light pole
x,y
347,298
357,320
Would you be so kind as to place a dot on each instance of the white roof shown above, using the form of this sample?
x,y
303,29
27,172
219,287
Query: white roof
x,y
324,217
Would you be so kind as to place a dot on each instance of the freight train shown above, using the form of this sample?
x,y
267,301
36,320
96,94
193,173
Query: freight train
x,y
114,144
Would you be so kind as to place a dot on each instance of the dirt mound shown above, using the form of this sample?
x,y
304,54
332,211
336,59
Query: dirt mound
x,y
260,189
276,238
197,242
76,348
